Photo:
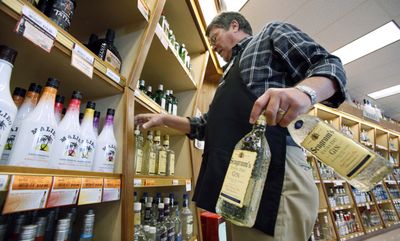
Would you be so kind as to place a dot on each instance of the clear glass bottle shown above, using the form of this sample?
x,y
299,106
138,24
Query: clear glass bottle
x,y
138,151
159,96
96,122
176,217
58,108
8,109
106,150
359,166
152,234
186,219
89,139
29,104
162,158
149,154
87,226
241,191
18,96
170,157
35,138
169,222
64,155
138,235
162,230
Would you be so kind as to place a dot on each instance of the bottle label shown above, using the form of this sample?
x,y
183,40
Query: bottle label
x,y
8,145
162,162
6,121
86,150
238,176
337,151
171,164
70,145
110,151
175,109
139,158
163,102
113,60
152,163
136,218
43,138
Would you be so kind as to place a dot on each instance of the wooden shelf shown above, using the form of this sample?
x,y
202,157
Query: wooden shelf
x,y
57,63
351,235
383,201
365,204
342,207
373,229
159,181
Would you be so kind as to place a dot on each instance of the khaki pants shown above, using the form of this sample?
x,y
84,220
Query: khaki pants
x,y
298,206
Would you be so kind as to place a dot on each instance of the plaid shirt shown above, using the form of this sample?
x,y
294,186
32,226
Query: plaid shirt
x,y
280,56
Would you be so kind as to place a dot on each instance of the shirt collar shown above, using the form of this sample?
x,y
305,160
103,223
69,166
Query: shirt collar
x,y
240,46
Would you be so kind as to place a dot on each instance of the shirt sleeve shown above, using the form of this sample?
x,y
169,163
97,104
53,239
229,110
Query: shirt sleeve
x,y
304,58
197,127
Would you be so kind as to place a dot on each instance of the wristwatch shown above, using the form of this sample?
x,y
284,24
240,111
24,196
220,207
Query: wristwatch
x,y
308,91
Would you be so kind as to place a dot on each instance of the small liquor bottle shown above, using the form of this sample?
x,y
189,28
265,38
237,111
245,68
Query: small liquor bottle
x,y
18,96
106,50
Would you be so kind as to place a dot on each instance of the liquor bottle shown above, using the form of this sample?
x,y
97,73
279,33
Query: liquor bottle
x,y
149,154
29,104
89,139
186,219
142,86
169,222
18,96
152,234
177,222
240,195
168,104
171,37
41,228
96,122
359,166
64,155
148,214
174,102
28,232
87,226
138,151
170,157
104,158
162,157
159,96
35,138
153,166
183,52
162,230
92,39
61,12
138,235
58,107
106,50
149,92
62,230
8,109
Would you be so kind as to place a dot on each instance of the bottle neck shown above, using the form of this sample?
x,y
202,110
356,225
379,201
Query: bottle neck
x,y
259,128
5,76
48,98
31,98
109,121
88,117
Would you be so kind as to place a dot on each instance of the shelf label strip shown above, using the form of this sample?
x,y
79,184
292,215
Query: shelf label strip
x,y
137,182
160,34
91,191
82,60
27,193
113,75
112,189
39,21
64,191
143,9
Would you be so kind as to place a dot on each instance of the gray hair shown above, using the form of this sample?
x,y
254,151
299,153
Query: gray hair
x,y
224,20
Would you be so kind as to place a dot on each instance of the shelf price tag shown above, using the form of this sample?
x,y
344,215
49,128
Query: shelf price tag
x,y
27,193
82,60
4,182
37,29
91,191
142,6
137,182
161,35
112,189
188,185
113,75
64,191
175,182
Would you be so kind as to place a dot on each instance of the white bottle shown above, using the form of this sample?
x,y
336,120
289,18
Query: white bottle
x,y
8,109
68,137
28,105
96,121
35,139
104,158
89,139
59,107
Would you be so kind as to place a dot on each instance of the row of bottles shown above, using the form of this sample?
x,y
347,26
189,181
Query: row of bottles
x,y
346,223
180,48
161,219
59,11
47,225
337,196
370,218
380,193
322,231
35,139
166,99
361,197
153,157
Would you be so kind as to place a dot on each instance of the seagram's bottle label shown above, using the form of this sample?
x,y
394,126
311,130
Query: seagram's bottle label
x,y
162,162
238,176
171,164
337,151
152,163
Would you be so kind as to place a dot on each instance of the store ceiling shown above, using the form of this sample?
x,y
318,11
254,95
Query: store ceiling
x,y
334,23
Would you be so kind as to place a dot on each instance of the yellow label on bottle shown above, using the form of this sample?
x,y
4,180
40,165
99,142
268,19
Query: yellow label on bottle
x,y
337,151
136,218
139,158
152,163
162,162
238,176
113,60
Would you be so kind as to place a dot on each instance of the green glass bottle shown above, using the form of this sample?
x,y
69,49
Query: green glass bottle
x,y
159,96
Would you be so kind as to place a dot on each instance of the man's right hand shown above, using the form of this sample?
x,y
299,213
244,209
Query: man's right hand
x,y
146,121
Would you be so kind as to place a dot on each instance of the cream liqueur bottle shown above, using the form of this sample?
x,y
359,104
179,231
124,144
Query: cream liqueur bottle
x,y
68,137
89,139
104,158
8,109
35,139
27,106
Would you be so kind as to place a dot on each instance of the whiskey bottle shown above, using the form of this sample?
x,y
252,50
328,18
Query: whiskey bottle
x,y
149,154
174,103
159,96
138,151
358,165
138,235
8,109
18,96
107,51
61,12
241,191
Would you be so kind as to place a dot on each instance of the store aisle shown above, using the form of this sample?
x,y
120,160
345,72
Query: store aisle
x,y
393,235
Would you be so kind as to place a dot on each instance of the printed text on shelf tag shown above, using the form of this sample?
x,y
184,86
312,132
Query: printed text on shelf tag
x,y
112,189
91,191
64,191
35,34
113,75
82,60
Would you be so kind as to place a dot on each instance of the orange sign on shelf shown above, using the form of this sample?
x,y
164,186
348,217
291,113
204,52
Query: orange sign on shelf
x,y
112,189
91,191
65,191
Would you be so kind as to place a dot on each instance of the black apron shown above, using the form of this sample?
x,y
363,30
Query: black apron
x,y
227,122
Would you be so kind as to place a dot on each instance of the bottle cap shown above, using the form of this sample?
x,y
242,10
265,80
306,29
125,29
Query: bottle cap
x,y
110,35
166,200
52,82
149,88
158,133
64,110
137,206
298,124
161,206
91,105
76,94
110,111
146,228
60,99
142,82
93,37
160,87
8,54
97,114
35,87
81,115
19,91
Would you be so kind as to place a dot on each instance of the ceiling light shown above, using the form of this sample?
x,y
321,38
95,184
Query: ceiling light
x,y
385,92
379,38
